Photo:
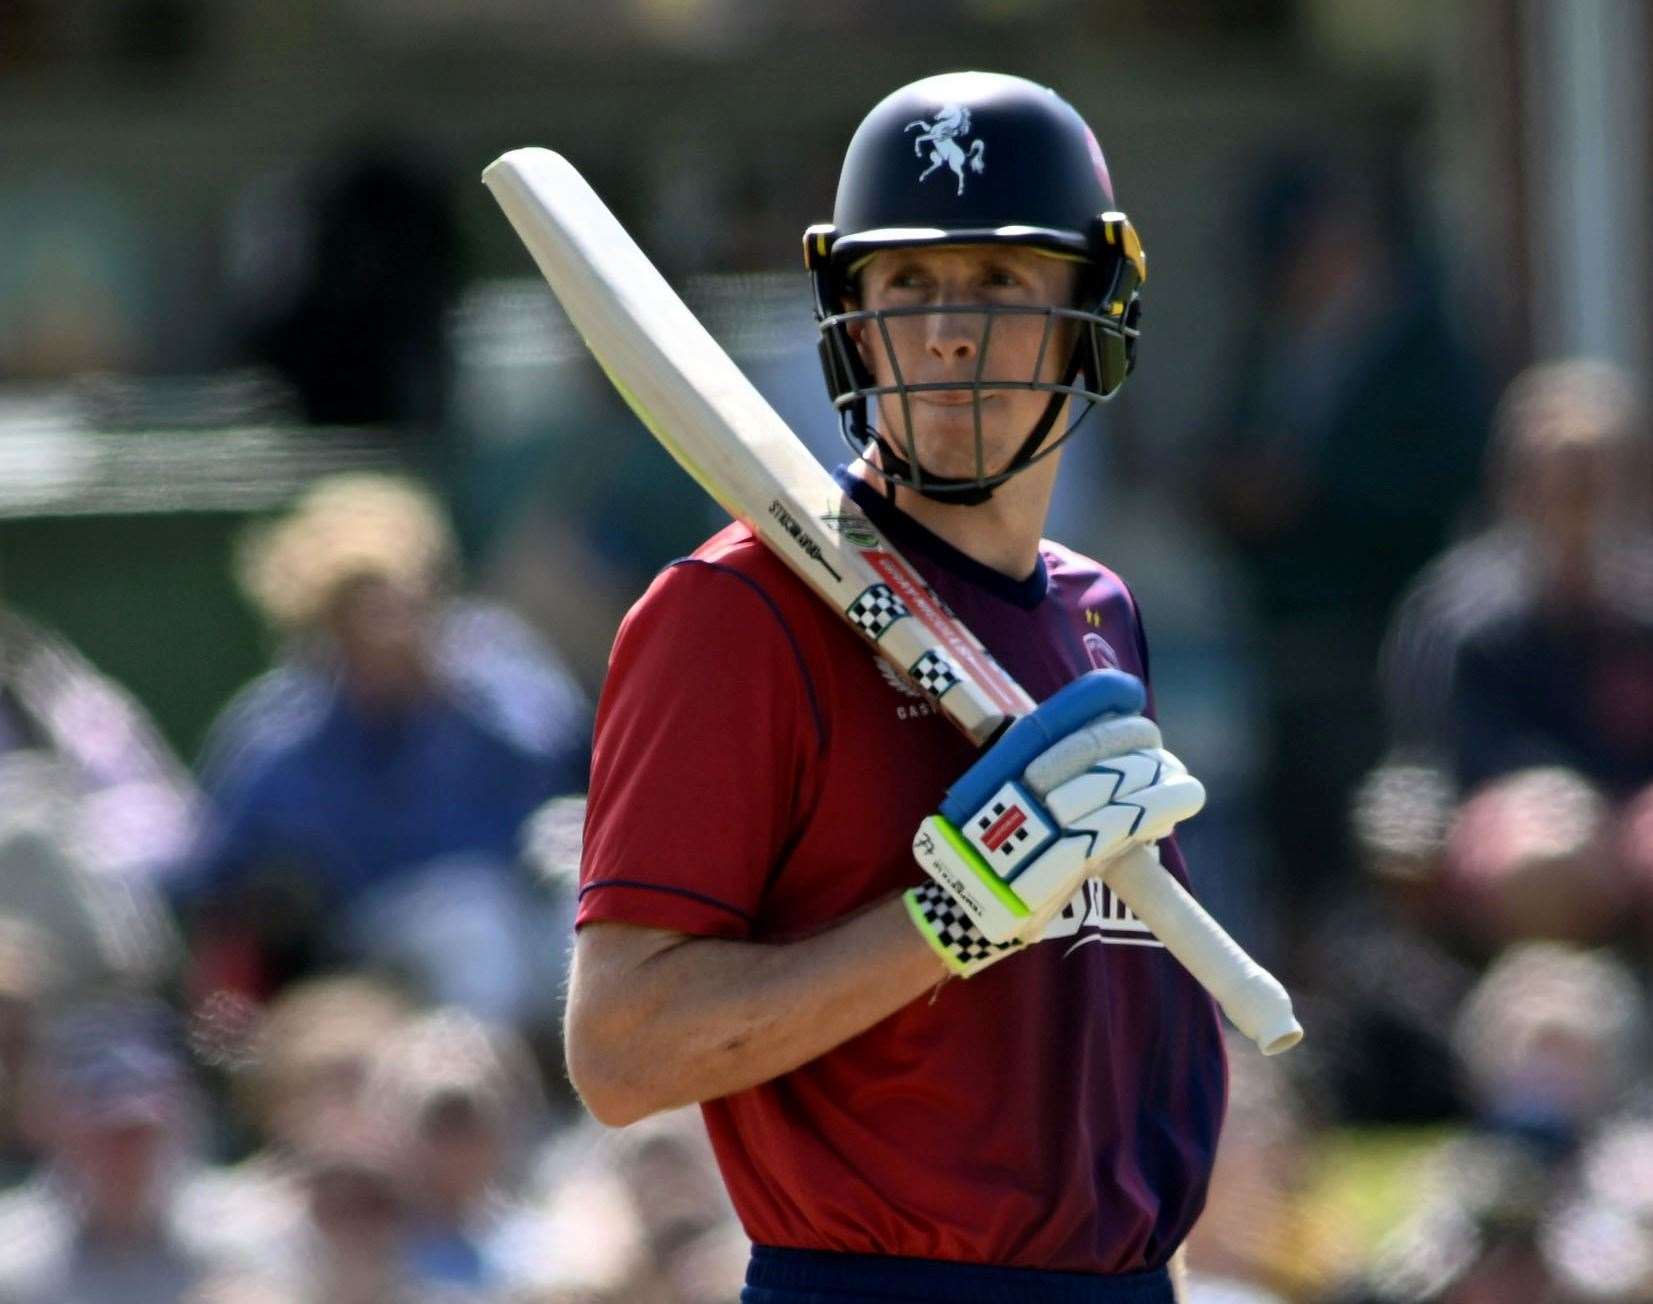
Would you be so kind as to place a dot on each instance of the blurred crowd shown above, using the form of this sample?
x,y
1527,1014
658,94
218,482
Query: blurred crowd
x,y
286,1029
1472,1119
281,1026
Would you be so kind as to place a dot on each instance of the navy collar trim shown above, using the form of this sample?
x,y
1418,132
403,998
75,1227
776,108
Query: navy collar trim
x,y
909,536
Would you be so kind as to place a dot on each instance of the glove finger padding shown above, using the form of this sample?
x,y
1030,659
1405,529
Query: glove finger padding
x,y
1154,808
1106,736
1146,813
1112,779
1164,806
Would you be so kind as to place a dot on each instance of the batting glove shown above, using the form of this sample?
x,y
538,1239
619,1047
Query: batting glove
x,y
1069,787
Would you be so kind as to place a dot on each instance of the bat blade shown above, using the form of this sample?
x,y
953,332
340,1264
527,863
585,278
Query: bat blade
x,y
710,417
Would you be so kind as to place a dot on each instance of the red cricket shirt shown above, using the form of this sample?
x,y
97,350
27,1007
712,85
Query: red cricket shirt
x,y
758,773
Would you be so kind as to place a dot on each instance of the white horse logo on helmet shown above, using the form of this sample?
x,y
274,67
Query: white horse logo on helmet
x,y
942,136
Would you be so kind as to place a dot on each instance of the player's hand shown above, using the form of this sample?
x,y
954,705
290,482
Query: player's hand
x,y
1069,787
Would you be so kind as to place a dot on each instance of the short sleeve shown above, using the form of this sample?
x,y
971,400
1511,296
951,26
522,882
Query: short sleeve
x,y
706,750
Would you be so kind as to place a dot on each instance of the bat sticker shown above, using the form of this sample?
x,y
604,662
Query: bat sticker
x,y
933,673
802,537
933,613
876,610
855,529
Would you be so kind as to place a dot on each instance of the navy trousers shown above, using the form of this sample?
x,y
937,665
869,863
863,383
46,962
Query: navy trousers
x,y
780,1276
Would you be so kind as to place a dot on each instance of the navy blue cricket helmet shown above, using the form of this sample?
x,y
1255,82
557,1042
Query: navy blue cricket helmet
x,y
977,158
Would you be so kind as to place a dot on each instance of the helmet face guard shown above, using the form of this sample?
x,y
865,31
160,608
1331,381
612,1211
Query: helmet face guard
x,y
969,159
1103,329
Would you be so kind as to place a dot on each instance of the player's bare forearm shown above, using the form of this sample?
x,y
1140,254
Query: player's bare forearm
x,y
659,1019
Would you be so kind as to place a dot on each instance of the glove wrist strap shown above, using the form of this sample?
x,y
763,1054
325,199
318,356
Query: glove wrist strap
x,y
950,932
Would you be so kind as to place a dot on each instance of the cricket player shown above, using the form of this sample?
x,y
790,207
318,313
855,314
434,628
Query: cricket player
x,y
905,1108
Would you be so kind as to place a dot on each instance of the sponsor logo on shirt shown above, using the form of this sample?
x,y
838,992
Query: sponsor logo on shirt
x,y
1096,915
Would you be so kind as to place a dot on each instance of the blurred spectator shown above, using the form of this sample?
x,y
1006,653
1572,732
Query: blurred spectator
x,y
1531,644
114,1107
347,1246
388,1176
309,1058
1550,1041
462,1100
1600,1239
94,810
1259,1241
640,1216
1544,1200
1520,668
30,974
1635,852
369,793
138,802
1530,856
103,926
1380,1049
78,284
345,276
1348,447
350,1251
1401,816
1473,1237
313,1054
694,1245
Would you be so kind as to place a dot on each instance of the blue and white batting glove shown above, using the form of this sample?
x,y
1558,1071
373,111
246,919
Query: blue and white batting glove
x,y
1070,786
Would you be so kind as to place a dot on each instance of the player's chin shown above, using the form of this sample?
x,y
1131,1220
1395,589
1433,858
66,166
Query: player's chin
x,y
954,458
945,438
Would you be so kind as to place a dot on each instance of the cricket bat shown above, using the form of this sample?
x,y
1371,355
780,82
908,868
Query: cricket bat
x,y
710,417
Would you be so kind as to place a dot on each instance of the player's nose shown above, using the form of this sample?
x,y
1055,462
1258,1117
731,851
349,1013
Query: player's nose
x,y
954,336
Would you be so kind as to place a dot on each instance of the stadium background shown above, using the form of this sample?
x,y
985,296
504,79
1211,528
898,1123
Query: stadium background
x,y
176,174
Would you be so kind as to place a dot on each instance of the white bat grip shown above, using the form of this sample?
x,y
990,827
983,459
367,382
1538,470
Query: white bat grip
x,y
1251,996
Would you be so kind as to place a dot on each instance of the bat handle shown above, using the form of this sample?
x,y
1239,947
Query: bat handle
x,y
1249,994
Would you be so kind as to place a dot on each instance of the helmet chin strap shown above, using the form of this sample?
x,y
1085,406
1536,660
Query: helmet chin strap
x,y
964,491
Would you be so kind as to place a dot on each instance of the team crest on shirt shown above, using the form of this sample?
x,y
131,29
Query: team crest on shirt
x,y
916,708
1096,915
1100,651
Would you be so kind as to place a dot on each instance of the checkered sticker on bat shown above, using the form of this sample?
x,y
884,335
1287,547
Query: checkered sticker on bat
x,y
933,673
876,610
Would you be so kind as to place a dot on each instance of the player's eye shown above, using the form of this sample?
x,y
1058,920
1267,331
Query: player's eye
x,y
1000,278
